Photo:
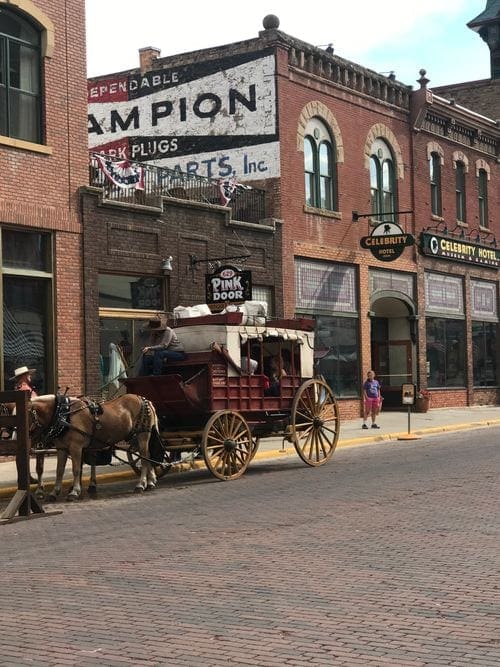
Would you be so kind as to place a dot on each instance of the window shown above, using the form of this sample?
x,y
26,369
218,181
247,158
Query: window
x,y
484,353
131,292
19,78
265,294
124,302
435,181
382,182
445,352
27,306
328,293
319,167
460,191
482,188
336,351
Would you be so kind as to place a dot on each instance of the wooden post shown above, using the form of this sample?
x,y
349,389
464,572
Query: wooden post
x,y
24,502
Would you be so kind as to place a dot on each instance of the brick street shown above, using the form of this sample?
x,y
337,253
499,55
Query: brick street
x,y
389,555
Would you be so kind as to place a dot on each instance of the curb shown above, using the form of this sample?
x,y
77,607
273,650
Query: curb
x,y
102,478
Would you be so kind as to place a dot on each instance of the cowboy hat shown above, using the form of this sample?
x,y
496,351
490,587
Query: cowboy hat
x,y
155,324
22,370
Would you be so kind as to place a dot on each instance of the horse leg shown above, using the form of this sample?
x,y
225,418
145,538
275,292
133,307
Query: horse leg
x,y
92,488
145,480
151,478
62,457
40,459
76,464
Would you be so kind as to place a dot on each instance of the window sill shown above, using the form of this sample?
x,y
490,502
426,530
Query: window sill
x,y
323,212
437,218
25,145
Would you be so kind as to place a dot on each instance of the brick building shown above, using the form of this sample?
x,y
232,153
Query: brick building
x,y
388,198
143,258
43,161
482,96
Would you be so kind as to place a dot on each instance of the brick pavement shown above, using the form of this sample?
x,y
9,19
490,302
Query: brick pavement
x,y
386,556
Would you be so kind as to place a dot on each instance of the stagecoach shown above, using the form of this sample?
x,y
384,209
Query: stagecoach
x,y
211,406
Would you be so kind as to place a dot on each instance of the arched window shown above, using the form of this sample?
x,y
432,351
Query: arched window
x,y
435,181
319,167
382,182
460,191
482,189
19,77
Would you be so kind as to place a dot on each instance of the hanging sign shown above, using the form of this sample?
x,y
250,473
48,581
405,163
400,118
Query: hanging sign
x,y
459,250
387,241
228,285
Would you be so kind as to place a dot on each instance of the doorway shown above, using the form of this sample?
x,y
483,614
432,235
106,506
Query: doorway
x,y
392,348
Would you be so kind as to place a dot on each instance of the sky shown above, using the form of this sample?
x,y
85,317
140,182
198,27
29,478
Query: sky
x,y
402,36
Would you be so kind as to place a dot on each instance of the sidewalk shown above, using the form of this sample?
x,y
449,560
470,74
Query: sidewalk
x,y
393,426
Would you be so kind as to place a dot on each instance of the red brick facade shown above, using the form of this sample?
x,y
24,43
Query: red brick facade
x,y
40,182
135,241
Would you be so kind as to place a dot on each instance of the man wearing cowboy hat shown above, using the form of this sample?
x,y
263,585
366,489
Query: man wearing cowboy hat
x,y
22,380
163,344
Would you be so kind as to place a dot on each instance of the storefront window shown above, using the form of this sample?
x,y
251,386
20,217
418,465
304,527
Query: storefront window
x,y
26,250
484,353
131,292
327,292
126,303
445,352
121,342
336,353
27,306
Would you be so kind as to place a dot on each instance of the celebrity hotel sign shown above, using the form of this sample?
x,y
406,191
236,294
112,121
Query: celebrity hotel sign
x,y
460,250
387,241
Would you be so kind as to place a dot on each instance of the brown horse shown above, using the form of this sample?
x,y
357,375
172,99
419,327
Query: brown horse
x,y
73,425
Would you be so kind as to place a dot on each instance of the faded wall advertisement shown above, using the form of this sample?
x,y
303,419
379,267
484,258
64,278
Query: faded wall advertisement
x,y
214,118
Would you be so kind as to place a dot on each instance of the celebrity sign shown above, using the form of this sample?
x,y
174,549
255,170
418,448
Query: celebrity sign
x,y
460,250
387,241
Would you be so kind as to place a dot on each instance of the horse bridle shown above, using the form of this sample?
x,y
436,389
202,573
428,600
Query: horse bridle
x,y
58,424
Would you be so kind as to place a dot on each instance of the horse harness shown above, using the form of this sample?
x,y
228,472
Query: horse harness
x,y
61,422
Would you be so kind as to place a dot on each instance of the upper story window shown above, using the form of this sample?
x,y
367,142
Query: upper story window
x,y
382,182
460,191
482,189
319,167
435,182
20,58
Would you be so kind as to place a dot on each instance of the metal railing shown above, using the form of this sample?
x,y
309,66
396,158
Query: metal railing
x,y
247,205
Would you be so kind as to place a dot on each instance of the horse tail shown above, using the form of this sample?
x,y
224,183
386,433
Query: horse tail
x,y
155,444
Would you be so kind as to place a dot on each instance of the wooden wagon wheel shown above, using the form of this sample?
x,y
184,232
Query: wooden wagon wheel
x,y
255,447
315,422
227,444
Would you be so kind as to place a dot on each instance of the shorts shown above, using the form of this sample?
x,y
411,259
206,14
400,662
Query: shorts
x,y
371,404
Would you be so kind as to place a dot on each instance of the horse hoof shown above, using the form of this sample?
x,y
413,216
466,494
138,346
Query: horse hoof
x,y
40,495
71,499
138,489
51,498
92,490
151,487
